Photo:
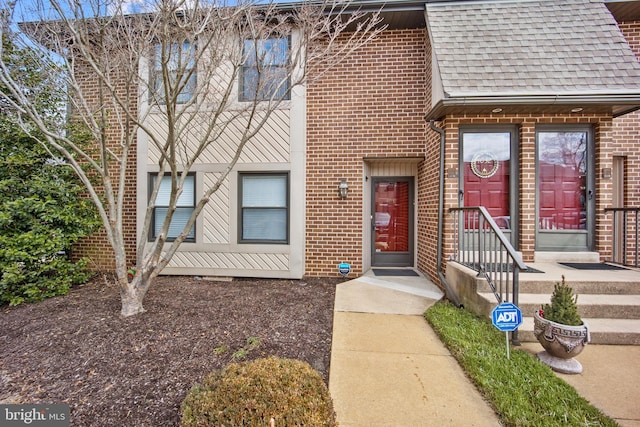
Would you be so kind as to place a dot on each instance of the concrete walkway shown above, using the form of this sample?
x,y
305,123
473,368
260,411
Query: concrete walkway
x,y
388,368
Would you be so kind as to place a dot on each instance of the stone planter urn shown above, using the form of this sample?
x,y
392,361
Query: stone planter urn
x,y
561,343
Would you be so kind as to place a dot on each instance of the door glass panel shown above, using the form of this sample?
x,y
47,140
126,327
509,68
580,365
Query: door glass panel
x,y
486,171
391,213
562,180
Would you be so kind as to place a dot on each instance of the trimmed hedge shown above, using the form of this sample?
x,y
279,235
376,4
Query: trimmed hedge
x,y
253,393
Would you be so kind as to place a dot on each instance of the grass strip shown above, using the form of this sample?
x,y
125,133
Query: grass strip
x,y
523,391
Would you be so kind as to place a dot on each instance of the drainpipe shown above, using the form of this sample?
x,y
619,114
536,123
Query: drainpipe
x,y
452,297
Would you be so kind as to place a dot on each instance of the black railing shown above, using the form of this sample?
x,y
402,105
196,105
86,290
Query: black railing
x,y
482,246
625,235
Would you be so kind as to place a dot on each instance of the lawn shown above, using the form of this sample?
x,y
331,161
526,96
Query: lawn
x,y
523,391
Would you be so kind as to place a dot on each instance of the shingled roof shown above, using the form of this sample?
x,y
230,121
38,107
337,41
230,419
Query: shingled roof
x,y
545,50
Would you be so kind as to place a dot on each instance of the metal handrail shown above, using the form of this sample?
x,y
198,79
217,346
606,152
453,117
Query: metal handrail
x,y
481,245
626,222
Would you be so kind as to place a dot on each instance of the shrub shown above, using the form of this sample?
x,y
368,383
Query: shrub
x,y
564,306
43,210
42,214
252,393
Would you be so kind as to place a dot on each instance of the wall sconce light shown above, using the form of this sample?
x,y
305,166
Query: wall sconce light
x,y
343,189
606,173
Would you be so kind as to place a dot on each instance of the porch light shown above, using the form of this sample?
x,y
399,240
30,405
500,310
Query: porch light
x,y
343,189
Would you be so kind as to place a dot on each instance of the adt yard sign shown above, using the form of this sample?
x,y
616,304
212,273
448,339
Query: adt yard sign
x,y
344,269
506,317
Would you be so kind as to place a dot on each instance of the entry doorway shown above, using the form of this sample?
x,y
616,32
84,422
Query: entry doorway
x,y
392,212
566,185
488,158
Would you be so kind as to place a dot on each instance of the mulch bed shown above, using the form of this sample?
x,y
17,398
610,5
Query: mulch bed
x,y
136,371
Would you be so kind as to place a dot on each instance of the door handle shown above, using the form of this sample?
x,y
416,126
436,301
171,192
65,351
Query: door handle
x,y
460,195
590,194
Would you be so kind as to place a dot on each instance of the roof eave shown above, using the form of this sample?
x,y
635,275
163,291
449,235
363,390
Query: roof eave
x,y
616,104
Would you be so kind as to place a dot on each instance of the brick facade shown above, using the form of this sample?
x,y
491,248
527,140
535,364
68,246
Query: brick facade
x,y
371,105
626,129
96,247
626,138
526,124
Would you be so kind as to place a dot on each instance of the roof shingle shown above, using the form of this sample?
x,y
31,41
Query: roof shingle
x,y
530,48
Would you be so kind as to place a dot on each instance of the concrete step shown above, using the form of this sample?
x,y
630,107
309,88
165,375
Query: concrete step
x,y
603,331
528,285
589,305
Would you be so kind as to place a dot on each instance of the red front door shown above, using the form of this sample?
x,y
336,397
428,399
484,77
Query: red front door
x,y
565,191
392,222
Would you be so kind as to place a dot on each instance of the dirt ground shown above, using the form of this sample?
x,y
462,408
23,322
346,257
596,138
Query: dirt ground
x,y
136,371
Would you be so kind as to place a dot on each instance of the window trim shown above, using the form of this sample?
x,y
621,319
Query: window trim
x,y
241,209
152,225
243,68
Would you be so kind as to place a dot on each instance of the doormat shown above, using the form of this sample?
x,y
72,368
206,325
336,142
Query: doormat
x,y
591,266
394,272
508,268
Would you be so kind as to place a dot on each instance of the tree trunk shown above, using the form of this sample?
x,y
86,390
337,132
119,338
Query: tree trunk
x,y
131,299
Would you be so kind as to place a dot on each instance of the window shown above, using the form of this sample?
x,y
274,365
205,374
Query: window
x,y
264,208
180,60
184,208
265,70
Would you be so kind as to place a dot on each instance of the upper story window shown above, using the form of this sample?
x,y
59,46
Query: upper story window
x,y
184,208
265,70
180,66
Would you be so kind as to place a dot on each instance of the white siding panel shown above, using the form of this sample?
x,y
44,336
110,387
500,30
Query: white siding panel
x,y
270,144
215,215
230,261
393,168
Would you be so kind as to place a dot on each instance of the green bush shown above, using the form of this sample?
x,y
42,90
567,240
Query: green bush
x,y
42,207
564,306
252,393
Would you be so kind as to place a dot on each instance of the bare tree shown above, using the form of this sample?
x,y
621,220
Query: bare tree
x,y
184,59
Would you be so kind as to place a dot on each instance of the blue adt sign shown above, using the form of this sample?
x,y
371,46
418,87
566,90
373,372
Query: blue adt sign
x,y
344,268
506,317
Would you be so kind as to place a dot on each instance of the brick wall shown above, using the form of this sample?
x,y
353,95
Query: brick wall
x,y
527,184
626,129
371,105
626,138
96,247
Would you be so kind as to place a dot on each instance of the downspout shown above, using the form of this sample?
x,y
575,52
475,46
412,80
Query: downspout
x,y
450,295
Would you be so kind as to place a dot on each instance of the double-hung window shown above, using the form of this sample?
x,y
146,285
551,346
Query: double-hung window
x,y
264,208
184,208
178,59
265,70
